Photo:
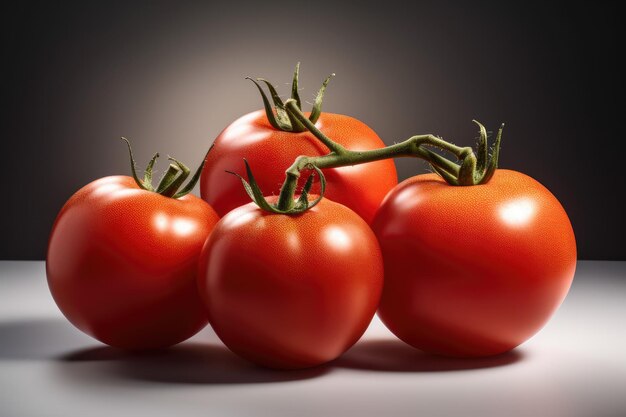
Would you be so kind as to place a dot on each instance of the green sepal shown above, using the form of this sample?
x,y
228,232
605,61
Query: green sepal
x,y
269,112
476,168
303,203
147,177
133,169
294,86
168,178
481,151
253,190
194,179
495,154
173,187
256,195
467,170
278,116
449,178
287,122
173,178
316,110
442,162
283,119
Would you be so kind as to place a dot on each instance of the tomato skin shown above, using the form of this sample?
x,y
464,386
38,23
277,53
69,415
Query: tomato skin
x,y
122,263
473,271
291,291
270,152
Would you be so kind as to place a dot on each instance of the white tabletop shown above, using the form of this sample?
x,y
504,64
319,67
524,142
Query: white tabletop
x,y
576,366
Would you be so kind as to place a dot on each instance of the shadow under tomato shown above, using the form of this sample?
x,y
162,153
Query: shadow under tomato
x,y
187,363
203,360
393,355
79,358
39,339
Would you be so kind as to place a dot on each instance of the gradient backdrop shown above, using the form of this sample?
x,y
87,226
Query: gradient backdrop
x,y
170,76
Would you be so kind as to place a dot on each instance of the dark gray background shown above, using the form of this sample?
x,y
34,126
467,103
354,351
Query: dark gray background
x,y
169,75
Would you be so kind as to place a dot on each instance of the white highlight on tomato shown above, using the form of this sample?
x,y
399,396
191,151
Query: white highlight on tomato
x,y
183,227
518,212
180,226
161,222
337,238
239,218
292,239
106,190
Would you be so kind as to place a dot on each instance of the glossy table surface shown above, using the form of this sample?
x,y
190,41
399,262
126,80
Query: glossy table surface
x,y
576,366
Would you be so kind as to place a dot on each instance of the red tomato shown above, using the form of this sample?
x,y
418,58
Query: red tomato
x,y
270,152
475,270
291,291
122,263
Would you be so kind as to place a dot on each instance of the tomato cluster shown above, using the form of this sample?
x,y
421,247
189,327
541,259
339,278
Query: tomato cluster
x,y
454,270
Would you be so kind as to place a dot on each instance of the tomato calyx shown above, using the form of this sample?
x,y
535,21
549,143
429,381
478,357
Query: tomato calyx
x,y
278,116
286,207
476,168
171,182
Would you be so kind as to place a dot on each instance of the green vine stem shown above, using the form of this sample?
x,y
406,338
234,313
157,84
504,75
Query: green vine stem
x,y
171,182
470,169
278,116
